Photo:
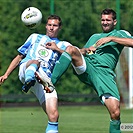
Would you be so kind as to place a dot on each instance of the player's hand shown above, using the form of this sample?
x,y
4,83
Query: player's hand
x,y
51,45
92,48
89,50
84,50
2,79
103,41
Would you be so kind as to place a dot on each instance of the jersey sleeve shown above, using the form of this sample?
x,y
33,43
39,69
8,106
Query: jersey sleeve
x,y
125,34
92,40
24,48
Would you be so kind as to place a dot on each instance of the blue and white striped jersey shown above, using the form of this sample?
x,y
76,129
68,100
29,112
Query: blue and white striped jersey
x,y
34,49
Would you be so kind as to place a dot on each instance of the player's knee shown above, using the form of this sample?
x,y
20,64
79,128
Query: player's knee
x,y
115,114
36,62
52,113
33,62
71,50
53,116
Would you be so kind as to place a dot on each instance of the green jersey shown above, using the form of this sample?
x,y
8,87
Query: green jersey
x,y
108,54
100,66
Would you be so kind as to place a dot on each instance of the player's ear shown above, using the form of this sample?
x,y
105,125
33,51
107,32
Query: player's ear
x,y
115,22
46,26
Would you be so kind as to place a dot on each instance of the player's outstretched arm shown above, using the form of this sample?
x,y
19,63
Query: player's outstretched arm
x,y
12,66
123,41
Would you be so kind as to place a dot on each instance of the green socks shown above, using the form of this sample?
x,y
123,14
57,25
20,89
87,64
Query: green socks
x,y
61,67
114,126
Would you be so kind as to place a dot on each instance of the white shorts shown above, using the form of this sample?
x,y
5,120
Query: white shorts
x,y
80,69
37,89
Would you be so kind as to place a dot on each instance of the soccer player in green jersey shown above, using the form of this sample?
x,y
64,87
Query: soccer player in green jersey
x,y
95,66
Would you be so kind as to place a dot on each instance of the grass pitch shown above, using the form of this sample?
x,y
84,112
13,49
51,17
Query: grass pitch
x,y
78,119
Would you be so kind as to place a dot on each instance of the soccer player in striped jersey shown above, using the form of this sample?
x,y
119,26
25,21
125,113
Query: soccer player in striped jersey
x,y
34,59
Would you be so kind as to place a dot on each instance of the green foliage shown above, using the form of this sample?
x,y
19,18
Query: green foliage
x,y
80,20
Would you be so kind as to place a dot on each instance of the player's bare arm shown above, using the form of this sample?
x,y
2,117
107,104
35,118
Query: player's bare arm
x,y
123,41
53,46
12,66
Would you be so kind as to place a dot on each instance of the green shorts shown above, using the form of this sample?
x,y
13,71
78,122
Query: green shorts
x,y
100,77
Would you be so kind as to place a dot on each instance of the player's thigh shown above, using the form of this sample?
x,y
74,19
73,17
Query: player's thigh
x,y
21,73
52,109
51,104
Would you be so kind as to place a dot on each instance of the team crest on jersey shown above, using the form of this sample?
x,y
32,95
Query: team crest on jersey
x,y
43,52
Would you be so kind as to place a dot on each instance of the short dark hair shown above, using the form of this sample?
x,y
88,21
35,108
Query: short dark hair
x,y
108,11
55,17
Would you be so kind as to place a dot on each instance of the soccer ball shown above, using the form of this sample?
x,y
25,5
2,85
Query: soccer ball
x,y
31,17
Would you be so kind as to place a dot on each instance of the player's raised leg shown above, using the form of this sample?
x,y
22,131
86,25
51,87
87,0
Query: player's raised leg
x,y
72,54
30,80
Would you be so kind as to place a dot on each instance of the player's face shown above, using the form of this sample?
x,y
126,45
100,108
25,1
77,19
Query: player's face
x,y
52,28
108,23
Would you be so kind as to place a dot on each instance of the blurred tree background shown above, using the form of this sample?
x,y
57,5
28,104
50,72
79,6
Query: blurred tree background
x,y
80,19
